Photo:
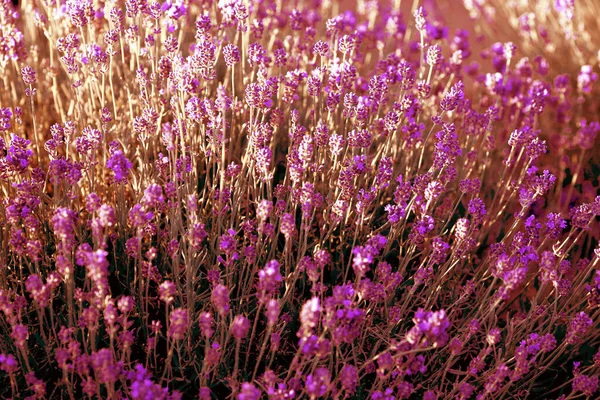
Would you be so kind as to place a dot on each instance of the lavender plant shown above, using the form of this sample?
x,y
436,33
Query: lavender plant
x,y
287,200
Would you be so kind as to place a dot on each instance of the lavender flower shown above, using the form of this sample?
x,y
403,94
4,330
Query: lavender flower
x,y
120,166
418,209
178,324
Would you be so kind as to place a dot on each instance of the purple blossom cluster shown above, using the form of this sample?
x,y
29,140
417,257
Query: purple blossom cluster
x,y
310,199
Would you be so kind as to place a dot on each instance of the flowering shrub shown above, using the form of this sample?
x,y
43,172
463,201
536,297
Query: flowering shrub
x,y
272,199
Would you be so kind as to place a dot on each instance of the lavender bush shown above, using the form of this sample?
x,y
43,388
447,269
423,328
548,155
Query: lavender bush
x,y
287,200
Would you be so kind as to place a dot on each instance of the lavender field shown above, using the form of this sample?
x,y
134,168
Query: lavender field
x,y
307,199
